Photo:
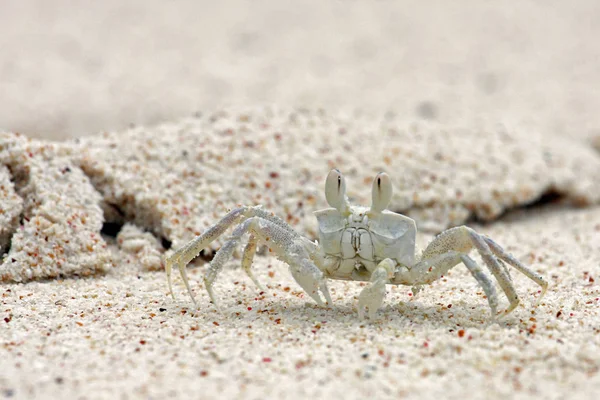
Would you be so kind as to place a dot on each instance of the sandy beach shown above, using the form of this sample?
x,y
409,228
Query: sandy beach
x,y
127,128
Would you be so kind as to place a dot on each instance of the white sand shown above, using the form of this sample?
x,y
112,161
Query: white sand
x,y
59,211
107,337
178,178
70,71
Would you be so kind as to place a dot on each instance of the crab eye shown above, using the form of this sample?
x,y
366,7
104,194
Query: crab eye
x,y
335,189
382,192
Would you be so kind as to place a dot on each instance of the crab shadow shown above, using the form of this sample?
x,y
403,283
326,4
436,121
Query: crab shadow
x,y
413,312
344,315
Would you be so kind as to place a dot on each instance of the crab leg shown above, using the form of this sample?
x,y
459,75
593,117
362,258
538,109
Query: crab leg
x,y
462,239
511,260
498,270
222,255
484,281
247,258
290,248
431,269
192,249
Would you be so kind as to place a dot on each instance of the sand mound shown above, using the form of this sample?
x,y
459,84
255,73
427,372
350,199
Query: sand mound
x,y
174,180
59,234
177,179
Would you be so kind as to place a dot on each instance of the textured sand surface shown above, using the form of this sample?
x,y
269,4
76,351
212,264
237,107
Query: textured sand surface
x,y
176,180
60,213
121,335
496,102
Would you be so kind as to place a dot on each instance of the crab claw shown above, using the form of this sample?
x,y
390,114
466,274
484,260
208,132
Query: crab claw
x,y
370,299
311,279
373,294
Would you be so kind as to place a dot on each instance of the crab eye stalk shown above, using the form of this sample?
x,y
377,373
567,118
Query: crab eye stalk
x,y
382,192
335,190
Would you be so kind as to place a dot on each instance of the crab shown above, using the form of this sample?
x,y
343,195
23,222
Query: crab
x,y
355,243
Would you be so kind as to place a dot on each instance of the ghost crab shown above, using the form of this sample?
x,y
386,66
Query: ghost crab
x,y
355,243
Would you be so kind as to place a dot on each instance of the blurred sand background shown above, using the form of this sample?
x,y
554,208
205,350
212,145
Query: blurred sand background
x,y
70,69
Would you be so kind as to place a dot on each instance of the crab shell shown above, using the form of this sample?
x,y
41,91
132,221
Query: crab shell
x,y
362,235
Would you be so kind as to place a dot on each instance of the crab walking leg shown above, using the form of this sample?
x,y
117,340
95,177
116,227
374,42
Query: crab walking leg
x,y
511,260
247,258
484,281
372,295
497,269
431,269
290,248
169,269
463,239
222,255
428,270
192,249
259,211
